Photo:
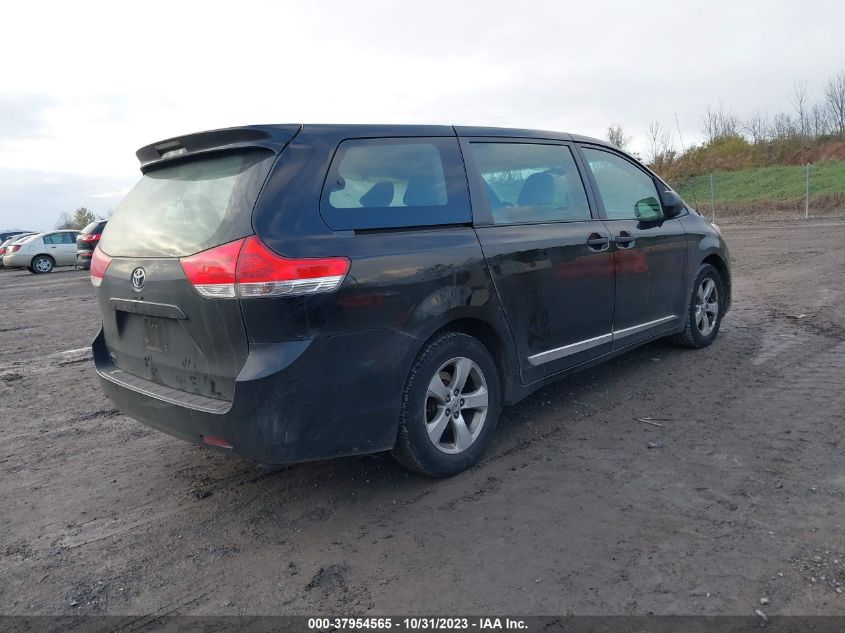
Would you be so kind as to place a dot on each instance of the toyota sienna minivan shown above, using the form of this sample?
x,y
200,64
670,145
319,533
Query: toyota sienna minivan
x,y
300,292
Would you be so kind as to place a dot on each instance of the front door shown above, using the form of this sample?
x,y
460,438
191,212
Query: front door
x,y
650,249
549,256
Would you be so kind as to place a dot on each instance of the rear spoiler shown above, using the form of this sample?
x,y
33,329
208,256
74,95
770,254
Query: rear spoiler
x,y
272,137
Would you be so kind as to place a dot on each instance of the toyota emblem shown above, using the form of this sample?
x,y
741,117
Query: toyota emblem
x,y
138,277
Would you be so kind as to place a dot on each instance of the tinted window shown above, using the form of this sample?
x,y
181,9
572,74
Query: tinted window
x,y
628,193
69,238
96,226
530,182
53,238
378,183
189,206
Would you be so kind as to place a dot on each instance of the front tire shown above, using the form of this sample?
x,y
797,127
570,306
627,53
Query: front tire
x,y
450,406
41,264
704,313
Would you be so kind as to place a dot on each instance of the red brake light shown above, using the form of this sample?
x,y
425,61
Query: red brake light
x,y
262,273
14,248
247,268
91,237
99,264
212,272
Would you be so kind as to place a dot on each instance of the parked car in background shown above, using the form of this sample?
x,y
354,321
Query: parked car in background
x,y
6,234
87,241
302,292
42,252
4,245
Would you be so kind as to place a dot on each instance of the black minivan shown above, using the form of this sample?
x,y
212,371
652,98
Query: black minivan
x,y
291,292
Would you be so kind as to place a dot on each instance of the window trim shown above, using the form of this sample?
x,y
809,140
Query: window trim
x,y
454,173
482,213
655,179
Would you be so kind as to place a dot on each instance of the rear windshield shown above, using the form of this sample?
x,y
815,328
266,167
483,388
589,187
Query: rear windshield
x,y
185,208
96,226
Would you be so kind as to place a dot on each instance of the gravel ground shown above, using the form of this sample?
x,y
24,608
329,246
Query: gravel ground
x,y
578,508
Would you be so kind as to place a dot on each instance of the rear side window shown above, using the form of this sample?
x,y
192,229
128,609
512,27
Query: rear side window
x,y
382,183
187,207
531,182
54,238
626,191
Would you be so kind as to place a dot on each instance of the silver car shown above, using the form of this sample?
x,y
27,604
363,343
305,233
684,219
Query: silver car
x,y
4,247
42,252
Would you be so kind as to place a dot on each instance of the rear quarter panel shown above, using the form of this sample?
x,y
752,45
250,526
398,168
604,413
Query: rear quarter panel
x,y
412,281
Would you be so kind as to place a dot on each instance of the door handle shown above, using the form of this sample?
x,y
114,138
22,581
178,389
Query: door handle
x,y
598,242
624,240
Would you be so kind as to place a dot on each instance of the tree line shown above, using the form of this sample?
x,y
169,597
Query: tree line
x,y
732,143
80,218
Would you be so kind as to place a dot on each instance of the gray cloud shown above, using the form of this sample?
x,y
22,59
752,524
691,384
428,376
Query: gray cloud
x,y
31,199
22,116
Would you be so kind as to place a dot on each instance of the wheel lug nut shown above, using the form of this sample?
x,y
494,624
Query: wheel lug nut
x,y
448,398
462,402
456,392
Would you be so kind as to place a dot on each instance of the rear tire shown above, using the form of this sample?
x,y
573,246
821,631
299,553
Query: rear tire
x,y
450,406
704,313
41,265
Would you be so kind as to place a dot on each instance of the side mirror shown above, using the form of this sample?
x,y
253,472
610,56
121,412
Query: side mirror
x,y
648,209
673,204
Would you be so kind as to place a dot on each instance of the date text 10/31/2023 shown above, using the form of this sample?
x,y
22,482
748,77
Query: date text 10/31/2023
x,y
418,624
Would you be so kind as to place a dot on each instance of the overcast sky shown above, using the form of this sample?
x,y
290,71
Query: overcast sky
x,y
84,84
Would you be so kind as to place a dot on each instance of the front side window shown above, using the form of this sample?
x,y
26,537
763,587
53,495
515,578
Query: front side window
x,y
378,183
531,182
53,238
628,193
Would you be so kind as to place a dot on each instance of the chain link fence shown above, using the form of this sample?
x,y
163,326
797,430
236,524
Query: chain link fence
x,y
785,194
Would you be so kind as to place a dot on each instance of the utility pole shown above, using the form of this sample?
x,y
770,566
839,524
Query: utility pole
x,y
712,199
807,195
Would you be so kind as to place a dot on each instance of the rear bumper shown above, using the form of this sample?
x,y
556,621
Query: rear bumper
x,y
83,259
294,401
17,260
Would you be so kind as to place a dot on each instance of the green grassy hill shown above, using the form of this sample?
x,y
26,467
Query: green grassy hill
x,y
777,184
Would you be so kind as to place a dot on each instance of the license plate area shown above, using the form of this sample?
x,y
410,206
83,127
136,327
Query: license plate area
x,y
155,335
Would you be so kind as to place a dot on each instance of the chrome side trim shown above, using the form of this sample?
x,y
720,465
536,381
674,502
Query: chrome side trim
x,y
580,346
636,329
566,350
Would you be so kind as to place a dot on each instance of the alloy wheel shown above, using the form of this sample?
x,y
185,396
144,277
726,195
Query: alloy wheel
x,y
456,405
42,265
706,306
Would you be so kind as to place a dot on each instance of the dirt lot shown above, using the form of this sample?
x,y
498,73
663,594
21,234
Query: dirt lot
x,y
571,512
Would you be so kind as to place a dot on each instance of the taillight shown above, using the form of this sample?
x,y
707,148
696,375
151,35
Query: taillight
x,y
263,273
99,264
14,248
247,268
91,237
212,272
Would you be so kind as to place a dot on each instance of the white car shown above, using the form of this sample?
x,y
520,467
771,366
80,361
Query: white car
x,y
42,252
11,240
